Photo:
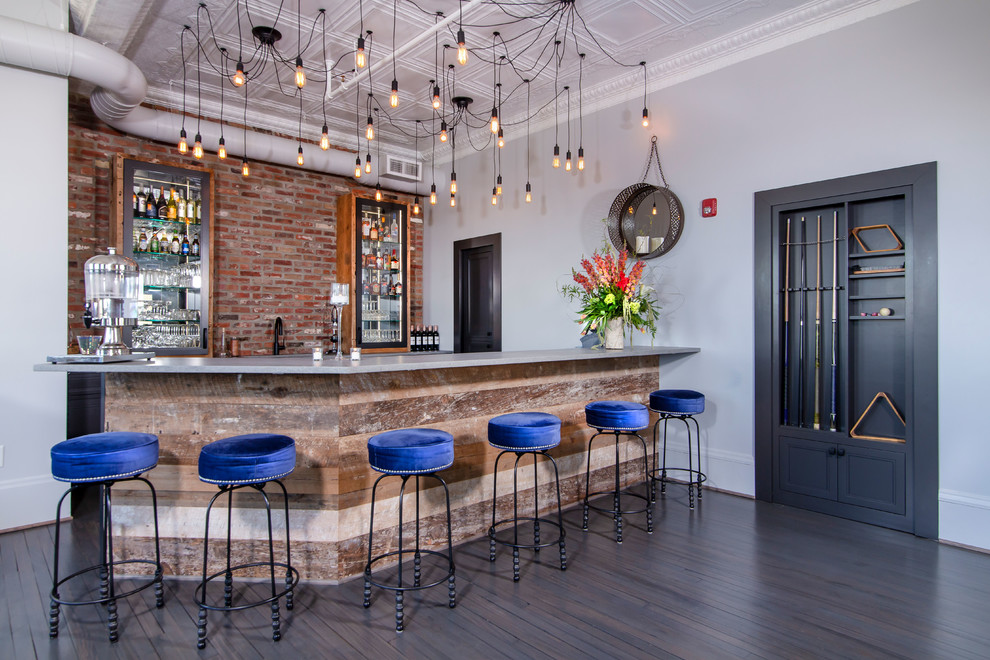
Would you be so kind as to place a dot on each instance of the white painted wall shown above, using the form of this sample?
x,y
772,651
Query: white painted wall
x,y
33,269
906,87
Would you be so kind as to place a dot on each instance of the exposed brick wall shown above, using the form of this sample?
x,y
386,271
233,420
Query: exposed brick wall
x,y
274,235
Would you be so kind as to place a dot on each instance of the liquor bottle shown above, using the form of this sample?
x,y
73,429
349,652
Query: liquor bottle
x,y
373,232
185,244
142,204
199,210
194,248
365,229
191,209
154,246
375,286
367,288
143,242
391,286
173,211
162,204
180,210
395,261
151,205
378,259
398,286
394,230
176,245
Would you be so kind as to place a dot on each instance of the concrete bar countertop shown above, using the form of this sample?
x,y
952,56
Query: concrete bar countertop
x,y
304,364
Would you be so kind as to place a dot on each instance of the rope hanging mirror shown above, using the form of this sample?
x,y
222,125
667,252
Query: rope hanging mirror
x,y
646,220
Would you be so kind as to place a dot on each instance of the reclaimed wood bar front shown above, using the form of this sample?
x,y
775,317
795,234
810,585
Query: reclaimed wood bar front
x,y
331,408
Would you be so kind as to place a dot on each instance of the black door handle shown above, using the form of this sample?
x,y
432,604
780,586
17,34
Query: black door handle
x,y
842,452
831,451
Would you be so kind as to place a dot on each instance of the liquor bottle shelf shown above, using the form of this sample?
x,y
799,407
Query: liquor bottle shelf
x,y
147,222
157,287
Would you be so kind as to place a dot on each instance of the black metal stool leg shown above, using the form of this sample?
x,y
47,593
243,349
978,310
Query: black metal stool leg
x,y
587,485
663,473
228,577
536,506
398,592
617,499
371,534
697,442
417,558
491,530
201,622
288,548
108,531
560,515
159,573
53,612
646,473
515,520
451,591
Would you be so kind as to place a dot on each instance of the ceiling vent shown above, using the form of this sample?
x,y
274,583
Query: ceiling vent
x,y
402,168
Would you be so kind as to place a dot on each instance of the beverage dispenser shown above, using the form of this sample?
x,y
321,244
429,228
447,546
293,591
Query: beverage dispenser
x,y
112,292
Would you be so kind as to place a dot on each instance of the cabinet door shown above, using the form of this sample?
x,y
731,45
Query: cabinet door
x,y
807,467
872,478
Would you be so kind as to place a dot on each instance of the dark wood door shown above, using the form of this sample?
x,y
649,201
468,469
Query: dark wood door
x,y
477,295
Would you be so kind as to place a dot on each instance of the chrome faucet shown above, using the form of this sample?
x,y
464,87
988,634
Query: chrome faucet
x,y
279,344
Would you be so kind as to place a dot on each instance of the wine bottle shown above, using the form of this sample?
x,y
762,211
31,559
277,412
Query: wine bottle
x,y
135,201
151,206
162,204
180,207
173,210
413,338
191,209
199,209
398,286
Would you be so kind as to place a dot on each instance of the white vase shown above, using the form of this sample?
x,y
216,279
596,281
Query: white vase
x,y
614,336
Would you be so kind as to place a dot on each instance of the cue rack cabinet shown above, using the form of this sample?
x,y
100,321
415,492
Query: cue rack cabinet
x,y
846,348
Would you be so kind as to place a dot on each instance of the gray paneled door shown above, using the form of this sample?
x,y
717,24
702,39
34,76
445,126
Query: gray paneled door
x,y
477,294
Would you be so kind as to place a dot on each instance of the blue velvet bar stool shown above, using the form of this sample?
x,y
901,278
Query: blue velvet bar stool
x,y
104,459
409,453
682,405
525,433
618,418
247,461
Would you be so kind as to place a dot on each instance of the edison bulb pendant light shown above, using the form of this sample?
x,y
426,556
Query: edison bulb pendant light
x,y
367,164
529,193
324,139
501,138
436,97
360,59
433,195
238,78
462,53
300,74
245,170
556,156
198,146
567,162
453,200
357,167
370,131
222,150
393,97
646,118
299,158
443,131
581,158
183,145
494,120
453,183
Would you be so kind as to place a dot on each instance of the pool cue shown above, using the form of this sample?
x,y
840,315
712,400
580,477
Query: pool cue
x,y
787,297
802,312
818,324
835,326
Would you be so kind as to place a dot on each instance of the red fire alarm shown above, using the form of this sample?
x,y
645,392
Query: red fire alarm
x,y
709,208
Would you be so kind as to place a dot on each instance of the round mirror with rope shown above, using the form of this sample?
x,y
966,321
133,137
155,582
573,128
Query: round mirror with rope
x,y
646,220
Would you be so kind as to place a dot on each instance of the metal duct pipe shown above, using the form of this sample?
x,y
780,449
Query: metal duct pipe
x,y
121,87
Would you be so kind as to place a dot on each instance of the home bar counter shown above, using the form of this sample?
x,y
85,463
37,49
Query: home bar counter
x,y
331,408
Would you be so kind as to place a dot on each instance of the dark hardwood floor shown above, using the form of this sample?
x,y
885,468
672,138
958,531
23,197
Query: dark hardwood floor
x,y
734,579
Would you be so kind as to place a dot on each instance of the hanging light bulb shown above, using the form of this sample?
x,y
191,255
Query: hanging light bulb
x,y
501,138
556,156
378,192
443,131
581,158
367,164
393,98
245,170
416,208
299,158
357,167
183,145
238,78
453,183
360,60
462,53
433,195
654,207
567,161
498,185
494,197
453,200
198,146
436,97
529,193
222,150
646,118
494,121
370,131
300,74
324,139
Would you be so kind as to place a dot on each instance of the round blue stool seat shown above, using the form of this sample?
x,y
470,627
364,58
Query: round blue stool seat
x,y
524,431
677,402
411,451
247,459
104,456
617,415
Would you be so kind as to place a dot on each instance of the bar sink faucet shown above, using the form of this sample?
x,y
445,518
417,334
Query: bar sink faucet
x,y
279,344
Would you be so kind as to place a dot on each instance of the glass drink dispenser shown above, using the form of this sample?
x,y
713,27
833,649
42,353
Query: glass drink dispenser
x,y
113,289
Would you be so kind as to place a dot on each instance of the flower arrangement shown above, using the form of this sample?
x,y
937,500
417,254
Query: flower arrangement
x,y
607,292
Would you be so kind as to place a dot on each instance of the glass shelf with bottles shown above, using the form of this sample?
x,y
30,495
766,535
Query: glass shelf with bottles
x,y
381,271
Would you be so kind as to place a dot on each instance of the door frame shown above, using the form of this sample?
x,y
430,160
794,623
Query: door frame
x,y
495,241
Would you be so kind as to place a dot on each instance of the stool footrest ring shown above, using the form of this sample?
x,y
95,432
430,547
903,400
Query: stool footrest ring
x,y
612,493
156,579
199,596
493,531
412,552
696,476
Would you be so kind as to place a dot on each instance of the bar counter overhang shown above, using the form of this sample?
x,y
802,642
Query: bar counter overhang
x,y
331,408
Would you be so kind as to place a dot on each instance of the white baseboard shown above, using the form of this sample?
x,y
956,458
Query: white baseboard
x,y
964,518
728,471
29,501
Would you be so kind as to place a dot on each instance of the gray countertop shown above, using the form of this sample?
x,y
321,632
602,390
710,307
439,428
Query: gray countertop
x,y
304,364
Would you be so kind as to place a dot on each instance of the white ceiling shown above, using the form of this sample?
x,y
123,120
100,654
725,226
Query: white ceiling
x,y
677,38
